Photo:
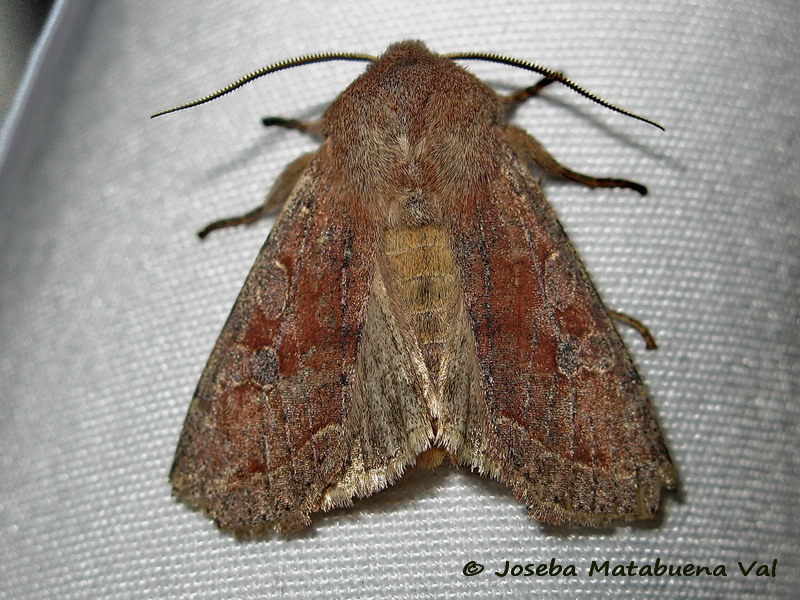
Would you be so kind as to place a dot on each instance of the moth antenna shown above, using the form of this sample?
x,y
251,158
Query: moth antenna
x,y
550,74
278,66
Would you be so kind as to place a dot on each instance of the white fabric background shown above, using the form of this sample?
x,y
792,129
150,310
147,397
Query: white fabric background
x,y
110,304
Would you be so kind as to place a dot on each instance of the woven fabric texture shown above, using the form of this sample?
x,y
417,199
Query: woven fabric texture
x,y
110,305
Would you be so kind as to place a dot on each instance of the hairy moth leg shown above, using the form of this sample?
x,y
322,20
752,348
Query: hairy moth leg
x,y
530,150
276,198
641,328
312,127
517,98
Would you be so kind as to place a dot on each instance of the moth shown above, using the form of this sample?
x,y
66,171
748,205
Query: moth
x,y
416,300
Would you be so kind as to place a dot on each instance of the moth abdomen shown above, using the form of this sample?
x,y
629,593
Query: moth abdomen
x,y
422,270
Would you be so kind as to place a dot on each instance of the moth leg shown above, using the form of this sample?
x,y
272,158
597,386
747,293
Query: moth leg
x,y
520,96
529,149
276,198
312,127
649,340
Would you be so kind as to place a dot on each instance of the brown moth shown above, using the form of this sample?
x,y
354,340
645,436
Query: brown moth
x,y
418,299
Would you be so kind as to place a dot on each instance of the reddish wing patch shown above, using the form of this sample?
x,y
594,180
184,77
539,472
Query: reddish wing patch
x,y
569,427
263,437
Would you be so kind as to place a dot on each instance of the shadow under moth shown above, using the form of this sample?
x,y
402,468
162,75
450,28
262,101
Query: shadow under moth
x,y
417,299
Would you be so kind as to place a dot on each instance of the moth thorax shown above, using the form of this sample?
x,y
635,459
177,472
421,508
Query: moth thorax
x,y
423,274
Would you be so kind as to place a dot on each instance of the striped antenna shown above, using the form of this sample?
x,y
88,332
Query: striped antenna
x,y
279,66
549,74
